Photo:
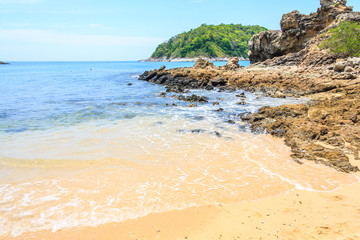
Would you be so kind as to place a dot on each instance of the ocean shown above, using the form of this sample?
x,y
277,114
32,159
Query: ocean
x,y
87,143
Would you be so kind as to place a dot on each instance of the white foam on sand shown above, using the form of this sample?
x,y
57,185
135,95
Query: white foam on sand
x,y
87,175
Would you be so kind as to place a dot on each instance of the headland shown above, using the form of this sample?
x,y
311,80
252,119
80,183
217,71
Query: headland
x,y
291,63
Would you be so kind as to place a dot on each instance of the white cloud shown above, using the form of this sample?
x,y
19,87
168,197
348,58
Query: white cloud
x,y
48,37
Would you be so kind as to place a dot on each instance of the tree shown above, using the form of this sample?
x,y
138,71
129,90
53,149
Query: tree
x,y
209,41
344,39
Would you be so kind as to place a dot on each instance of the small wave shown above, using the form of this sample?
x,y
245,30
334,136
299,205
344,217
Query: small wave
x,y
16,130
3,115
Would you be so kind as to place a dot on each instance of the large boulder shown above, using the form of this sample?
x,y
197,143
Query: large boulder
x,y
266,45
296,31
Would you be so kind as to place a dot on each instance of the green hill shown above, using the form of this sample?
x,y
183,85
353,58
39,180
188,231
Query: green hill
x,y
212,41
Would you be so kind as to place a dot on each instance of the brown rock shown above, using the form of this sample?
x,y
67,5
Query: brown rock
x,y
348,69
266,45
203,64
340,66
232,64
328,3
326,129
296,31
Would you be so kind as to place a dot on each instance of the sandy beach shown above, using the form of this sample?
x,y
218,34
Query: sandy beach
x,y
267,151
293,215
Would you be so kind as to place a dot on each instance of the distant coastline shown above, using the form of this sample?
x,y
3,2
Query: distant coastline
x,y
164,59
3,62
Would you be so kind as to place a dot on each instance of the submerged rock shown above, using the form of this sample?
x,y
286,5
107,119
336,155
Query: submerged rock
x,y
192,98
162,94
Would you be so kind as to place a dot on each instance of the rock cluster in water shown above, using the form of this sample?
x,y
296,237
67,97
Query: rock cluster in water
x,y
289,63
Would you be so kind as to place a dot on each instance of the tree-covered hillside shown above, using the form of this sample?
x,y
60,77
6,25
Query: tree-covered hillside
x,y
225,40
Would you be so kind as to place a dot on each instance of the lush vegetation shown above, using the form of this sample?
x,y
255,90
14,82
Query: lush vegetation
x,y
344,39
225,40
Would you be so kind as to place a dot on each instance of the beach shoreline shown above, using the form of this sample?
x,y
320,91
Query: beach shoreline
x,y
297,177
297,214
224,59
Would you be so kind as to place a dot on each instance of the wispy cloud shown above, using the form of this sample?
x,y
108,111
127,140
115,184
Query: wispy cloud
x,y
19,1
48,37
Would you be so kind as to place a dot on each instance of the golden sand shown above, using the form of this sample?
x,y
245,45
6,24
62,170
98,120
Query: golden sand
x,y
293,215
154,182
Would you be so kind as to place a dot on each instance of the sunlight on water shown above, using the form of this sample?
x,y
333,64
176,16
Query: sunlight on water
x,y
89,175
83,148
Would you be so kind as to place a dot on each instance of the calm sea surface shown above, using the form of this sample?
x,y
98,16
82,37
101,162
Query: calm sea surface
x,y
81,146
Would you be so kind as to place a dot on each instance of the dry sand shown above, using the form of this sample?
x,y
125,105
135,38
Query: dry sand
x,y
293,215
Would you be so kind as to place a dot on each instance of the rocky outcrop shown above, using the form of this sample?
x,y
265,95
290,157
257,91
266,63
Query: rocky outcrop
x,y
290,81
325,130
203,75
3,62
266,45
297,30
203,64
232,64
290,63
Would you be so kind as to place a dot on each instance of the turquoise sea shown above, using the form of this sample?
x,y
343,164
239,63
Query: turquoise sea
x,y
87,143
43,95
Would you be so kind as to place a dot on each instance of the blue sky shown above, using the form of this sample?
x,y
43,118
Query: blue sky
x,y
116,30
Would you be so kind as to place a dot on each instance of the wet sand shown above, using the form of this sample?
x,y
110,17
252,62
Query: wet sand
x,y
293,215
197,185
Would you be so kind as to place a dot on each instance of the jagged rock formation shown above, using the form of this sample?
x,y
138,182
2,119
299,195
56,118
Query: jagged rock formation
x,y
325,130
232,64
203,64
297,30
290,63
3,62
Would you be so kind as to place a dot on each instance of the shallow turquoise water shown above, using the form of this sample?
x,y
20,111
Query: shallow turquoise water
x,y
42,95
45,95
